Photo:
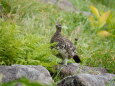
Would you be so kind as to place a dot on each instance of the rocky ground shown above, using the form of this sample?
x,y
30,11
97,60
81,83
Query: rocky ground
x,y
72,75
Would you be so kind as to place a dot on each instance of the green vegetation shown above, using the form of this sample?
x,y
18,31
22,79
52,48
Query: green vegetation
x,y
96,43
108,3
25,33
26,27
24,82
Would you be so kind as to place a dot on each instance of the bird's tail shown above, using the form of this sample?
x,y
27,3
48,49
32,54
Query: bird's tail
x,y
77,59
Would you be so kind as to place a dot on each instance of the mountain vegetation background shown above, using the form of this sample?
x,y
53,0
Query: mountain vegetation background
x,y
26,27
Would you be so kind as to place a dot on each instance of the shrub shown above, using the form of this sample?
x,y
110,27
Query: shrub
x,y
16,48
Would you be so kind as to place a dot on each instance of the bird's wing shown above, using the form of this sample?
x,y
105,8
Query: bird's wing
x,y
70,47
65,45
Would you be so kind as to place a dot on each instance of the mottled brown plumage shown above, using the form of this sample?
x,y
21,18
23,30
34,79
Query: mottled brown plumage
x,y
64,46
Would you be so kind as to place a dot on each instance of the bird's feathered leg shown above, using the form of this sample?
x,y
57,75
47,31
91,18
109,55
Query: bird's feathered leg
x,y
64,61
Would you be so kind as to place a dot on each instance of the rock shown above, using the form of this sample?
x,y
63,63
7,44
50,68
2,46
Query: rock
x,y
88,80
65,5
62,4
75,68
78,75
33,73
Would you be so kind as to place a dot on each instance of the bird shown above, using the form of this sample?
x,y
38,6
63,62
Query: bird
x,y
64,46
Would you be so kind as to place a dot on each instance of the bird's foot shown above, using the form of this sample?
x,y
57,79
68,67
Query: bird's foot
x,y
63,64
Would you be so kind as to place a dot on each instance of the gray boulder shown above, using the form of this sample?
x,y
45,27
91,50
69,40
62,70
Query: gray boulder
x,y
33,73
62,4
89,80
65,5
75,68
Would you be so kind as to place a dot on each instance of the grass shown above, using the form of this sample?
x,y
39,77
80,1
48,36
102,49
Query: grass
x,y
33,28
96,50
33,24
81,4
24,82
108,3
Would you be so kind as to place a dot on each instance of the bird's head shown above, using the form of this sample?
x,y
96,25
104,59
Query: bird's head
x,y
58,26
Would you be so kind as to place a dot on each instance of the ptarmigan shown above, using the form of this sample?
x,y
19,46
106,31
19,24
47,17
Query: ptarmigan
x,y
64,46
